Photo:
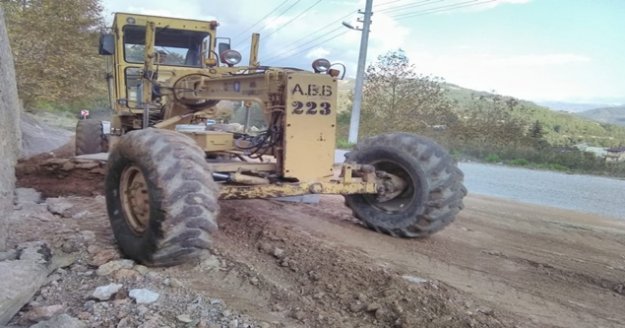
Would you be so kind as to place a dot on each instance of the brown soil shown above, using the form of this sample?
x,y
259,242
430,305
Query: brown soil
x,y
501,264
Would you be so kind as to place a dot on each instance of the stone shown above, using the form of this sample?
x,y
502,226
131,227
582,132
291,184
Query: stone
x,y
58,206
371,307
356,306
104,293
414,279
126,274
68,166
81,215
265,247
184,318
103,257
278,253
112,266
210,263
88,236
43,312
21,278
142,269
8,255
143,296
87,166
233,323
27,196
61,320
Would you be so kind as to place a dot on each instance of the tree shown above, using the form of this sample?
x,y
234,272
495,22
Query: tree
x,y
396,98
54,43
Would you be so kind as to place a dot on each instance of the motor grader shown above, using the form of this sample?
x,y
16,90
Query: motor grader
x,y
174,152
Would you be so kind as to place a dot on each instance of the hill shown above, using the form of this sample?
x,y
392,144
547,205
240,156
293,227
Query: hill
x,y
610,115
560,128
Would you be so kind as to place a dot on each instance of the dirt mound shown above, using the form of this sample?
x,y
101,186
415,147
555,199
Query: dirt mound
x,y
55,176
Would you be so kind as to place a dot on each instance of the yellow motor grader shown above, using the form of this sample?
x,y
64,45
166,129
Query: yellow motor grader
x,y
175,151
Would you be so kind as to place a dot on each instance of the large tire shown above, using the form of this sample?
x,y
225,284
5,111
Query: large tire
x,y
433,193
161,198
89,137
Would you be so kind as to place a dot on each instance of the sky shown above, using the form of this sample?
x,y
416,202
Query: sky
x,y
541,50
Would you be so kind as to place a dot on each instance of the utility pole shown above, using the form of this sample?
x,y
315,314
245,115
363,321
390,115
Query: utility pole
x,y
360,73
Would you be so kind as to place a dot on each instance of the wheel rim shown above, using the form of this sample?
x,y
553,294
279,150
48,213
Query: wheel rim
x,y
402,201
135,199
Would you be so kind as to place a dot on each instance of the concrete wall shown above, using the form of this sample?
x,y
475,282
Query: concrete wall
x,y
9,131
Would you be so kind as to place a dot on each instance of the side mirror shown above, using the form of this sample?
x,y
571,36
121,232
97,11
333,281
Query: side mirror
x,y
221,47
107,45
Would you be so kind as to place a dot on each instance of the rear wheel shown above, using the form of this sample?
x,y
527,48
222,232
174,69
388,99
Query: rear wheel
x,y
161,198
432,190
89,137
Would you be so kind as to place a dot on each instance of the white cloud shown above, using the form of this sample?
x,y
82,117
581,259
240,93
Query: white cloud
x,y
318,52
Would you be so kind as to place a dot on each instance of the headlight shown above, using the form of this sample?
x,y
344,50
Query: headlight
x,y
231,57
321,65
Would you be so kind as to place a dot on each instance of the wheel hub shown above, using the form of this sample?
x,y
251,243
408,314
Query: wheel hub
x,y
135,199
396,187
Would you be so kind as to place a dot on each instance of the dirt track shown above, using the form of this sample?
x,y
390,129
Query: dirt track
x,y
501,264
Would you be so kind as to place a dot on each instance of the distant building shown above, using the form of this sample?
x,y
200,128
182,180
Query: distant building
x,y
615,155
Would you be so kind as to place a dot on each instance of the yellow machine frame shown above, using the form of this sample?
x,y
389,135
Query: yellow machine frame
x,y
304,103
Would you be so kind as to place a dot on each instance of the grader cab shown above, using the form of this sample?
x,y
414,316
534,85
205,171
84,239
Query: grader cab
x,y
175,150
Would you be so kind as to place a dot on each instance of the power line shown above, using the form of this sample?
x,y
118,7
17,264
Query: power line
x,y
280,14
314,45
310,37
294,18
289,51
441,9
408,6
262,19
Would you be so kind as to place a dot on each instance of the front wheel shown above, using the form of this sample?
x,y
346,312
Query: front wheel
x,y
161,198
432,185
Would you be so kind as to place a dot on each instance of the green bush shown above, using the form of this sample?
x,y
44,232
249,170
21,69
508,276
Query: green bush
x,y
492,158
519,162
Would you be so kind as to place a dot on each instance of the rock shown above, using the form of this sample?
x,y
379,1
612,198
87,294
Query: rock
x,y
126,274
142,269
27,196
21,278
84,315
487,311
68,166
184,318
265,247
112,266
8,255
103,257
43,312
372,307
58,206
61,320
88,236
299,315
254,281
70,246
356,306
278,253
209,263
104,293
414,279
233,324
81,215
143,296
87,166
